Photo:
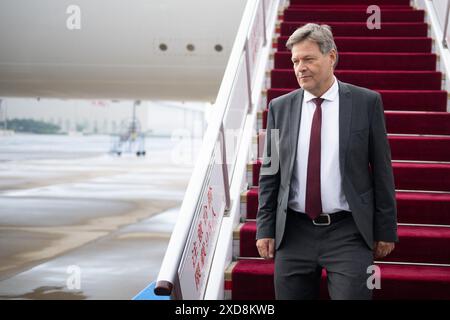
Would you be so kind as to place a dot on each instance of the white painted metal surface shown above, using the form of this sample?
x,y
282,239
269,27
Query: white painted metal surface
x,y
115,53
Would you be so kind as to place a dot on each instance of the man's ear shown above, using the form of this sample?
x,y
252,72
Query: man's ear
x,y
333,56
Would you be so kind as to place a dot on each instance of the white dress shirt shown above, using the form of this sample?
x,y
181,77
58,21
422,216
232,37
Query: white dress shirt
x,y
333,198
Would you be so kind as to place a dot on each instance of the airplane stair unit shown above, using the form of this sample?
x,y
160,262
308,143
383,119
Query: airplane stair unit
x,y
201,244
398,61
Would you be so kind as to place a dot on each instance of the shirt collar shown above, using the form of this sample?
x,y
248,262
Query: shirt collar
x,y
329,95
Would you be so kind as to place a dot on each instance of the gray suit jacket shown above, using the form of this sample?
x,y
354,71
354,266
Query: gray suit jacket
x,y
364,157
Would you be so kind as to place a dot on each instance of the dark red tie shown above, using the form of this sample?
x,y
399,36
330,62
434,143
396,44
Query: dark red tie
x,y
313,202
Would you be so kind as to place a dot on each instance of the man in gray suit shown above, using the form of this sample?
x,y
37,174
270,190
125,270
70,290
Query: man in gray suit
x,y
326,187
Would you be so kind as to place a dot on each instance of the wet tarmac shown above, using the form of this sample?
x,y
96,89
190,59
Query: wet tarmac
x,y
84,224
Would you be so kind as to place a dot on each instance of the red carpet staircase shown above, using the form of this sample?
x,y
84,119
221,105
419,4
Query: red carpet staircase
x,y
396,61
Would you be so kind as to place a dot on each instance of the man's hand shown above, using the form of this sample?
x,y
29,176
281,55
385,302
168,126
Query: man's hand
x,y
266,247
382,249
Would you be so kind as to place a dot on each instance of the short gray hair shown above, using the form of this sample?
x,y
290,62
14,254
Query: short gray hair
x,y
320,34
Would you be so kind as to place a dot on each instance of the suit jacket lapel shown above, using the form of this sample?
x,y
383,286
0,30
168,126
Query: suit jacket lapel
x,y
345,116
295,113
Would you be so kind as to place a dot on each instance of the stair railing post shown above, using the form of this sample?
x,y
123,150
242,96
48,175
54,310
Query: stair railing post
x,y
249,80
264,22
226,181
444,37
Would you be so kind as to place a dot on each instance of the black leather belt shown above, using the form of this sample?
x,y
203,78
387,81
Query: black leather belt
x,y
324,219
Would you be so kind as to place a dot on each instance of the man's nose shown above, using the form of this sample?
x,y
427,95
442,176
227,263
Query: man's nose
x,y
301,67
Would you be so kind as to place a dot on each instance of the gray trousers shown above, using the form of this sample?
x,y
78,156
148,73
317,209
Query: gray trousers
x,y
306,249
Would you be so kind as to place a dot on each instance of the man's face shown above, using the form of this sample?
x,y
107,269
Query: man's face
x,y
314,70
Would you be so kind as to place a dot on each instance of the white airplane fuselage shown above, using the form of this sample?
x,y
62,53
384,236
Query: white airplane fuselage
x,y
116,49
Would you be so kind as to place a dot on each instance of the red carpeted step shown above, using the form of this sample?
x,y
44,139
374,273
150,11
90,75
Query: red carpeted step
x,y
412,207
350,2
422,208
247,236
419,148
371,61
251,204
420,176
437,123
402,100
398,80
413,282
347,6
422,244
352,15
418,244
374,44
264,119
359,29
253,279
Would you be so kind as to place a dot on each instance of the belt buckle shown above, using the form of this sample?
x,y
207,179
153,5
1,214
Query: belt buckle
x,y
325,223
